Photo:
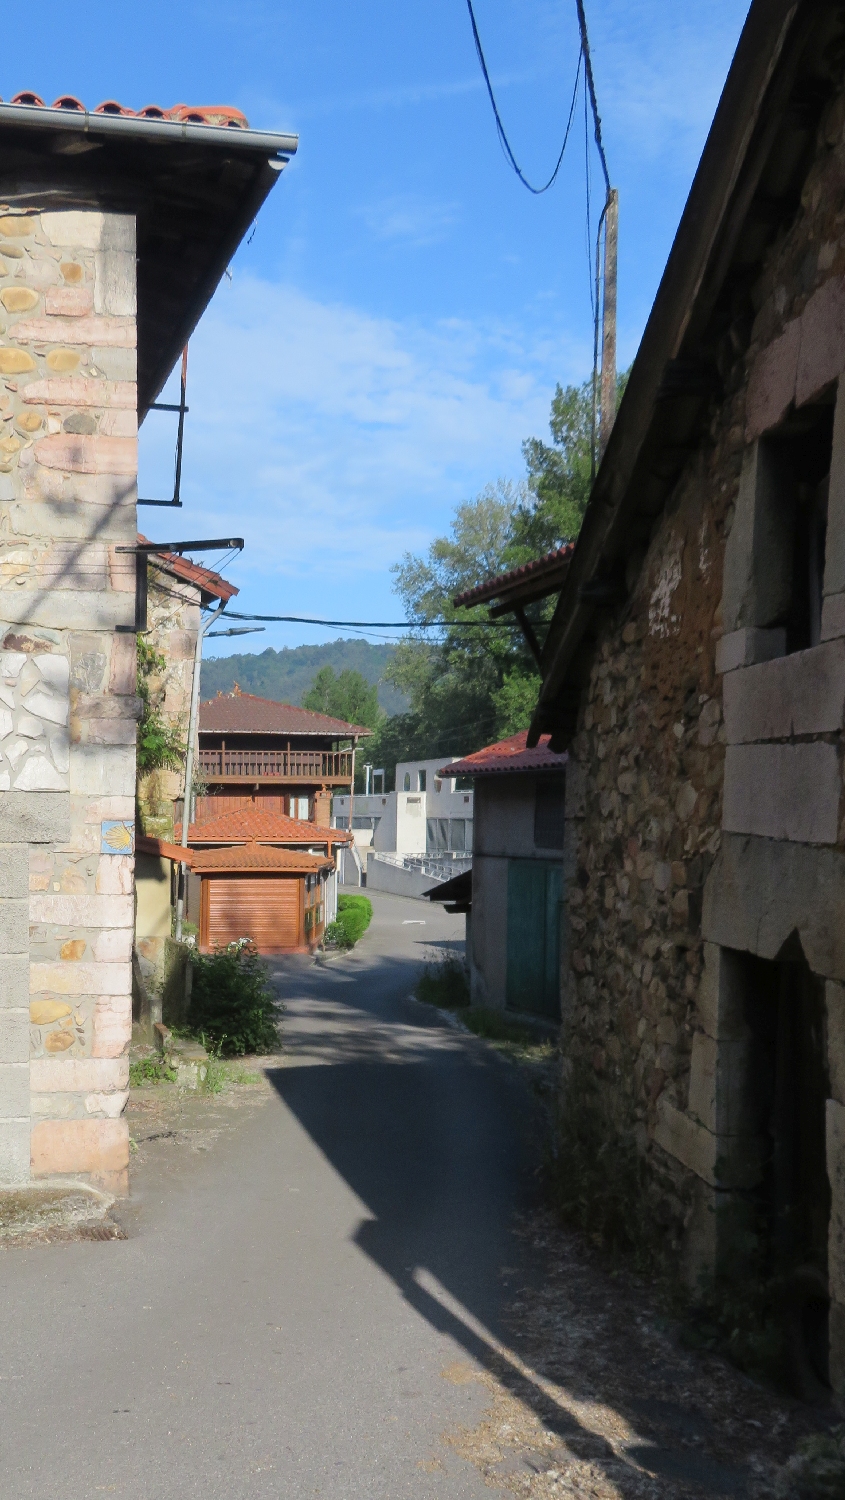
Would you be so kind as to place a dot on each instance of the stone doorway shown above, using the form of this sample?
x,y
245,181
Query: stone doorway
x,y
784,1006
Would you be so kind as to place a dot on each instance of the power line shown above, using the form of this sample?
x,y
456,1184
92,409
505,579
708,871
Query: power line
x,y
588,69
380,624
505,143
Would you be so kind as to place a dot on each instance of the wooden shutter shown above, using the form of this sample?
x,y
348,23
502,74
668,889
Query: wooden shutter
x,y
265,908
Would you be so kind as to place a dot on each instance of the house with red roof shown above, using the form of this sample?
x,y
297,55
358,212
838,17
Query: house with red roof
x,y
254,752
513,896
260,874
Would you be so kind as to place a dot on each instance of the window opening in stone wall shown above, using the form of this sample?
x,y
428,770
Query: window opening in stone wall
x,y
782,1109
549,805
421,781
406,785
802,453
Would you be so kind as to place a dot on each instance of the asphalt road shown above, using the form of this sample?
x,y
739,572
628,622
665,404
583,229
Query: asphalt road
x,y
279,1321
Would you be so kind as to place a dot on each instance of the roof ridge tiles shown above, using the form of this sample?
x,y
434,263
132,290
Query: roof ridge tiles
x,y
508,755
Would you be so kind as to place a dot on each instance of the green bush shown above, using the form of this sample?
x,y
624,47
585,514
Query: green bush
x,y
354,914
232,1005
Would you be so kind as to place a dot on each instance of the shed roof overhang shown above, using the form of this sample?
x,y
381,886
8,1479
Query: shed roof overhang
x,y
748,186
194,190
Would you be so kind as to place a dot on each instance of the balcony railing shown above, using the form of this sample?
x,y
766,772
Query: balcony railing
x,y
276,765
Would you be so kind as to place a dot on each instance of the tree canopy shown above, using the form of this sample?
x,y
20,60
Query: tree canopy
x,y
472,686
344,695
468,687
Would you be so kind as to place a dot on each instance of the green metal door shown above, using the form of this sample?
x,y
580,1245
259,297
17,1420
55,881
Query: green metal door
x,y
535,890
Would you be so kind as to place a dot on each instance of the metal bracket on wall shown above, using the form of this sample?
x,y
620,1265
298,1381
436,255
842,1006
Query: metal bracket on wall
x,y
142,550
180,432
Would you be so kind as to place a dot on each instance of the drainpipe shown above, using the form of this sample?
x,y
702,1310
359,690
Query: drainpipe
x,y
189,761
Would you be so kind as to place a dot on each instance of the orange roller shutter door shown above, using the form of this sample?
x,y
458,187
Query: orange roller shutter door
x,y
266,908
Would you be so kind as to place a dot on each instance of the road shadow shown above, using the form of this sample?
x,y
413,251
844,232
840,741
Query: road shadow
x,y
442,1140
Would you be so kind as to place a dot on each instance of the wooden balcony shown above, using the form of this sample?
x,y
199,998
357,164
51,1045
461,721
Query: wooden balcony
x,y
294,767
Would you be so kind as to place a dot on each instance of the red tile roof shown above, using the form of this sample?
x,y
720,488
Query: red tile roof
x,y
247,824
541,570
508,755
243,713
205,579
259,857
194,114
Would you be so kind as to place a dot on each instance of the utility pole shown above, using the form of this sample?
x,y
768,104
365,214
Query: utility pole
x,y
608,339
189,763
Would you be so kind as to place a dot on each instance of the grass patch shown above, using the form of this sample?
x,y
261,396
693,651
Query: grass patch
x,y
354,914
445,983
233,1009
150,1070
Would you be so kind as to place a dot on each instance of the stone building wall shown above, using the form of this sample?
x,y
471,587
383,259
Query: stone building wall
x,y
713,816
173,615
68,465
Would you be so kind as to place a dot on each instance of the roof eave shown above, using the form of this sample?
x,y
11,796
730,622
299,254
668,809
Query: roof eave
x,y
89,123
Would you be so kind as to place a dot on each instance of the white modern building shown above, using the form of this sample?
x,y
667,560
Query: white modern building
x,y
427,813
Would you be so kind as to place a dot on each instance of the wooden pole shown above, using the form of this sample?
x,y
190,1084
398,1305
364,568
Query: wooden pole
x,y
608,341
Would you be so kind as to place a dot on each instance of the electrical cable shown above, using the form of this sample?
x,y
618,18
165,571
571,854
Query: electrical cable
x,y
588,68
500,129
379,624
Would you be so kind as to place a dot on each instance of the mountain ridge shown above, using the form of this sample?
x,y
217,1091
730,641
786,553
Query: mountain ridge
x,y
286,675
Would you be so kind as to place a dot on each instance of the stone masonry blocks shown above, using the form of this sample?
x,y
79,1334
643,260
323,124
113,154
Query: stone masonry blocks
x,y
14,1090
833,616
800,694
92,1147
14,1036
68,489
742,648
14,981
14,870
34,817
783,792
760,891
726,1162
719,1008
14,1152
80,1075
806,357
14,925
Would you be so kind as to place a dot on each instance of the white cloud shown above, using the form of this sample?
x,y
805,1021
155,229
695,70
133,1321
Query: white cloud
x,y
406,217
334,439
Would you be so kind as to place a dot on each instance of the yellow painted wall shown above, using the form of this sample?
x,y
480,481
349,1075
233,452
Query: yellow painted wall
x,y
152,896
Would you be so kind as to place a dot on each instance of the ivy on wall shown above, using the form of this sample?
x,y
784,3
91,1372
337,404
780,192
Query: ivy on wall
x,y
160,744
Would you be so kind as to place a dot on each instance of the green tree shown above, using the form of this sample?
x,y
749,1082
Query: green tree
x,y
345,695
558,474
453,680
469,687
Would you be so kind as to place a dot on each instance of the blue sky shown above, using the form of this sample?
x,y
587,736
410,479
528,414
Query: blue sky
x,y
397,324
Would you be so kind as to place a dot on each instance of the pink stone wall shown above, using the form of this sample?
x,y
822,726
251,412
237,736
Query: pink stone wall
x,y
68,465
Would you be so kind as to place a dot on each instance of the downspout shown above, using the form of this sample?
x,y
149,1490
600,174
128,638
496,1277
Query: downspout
x,y
189,762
